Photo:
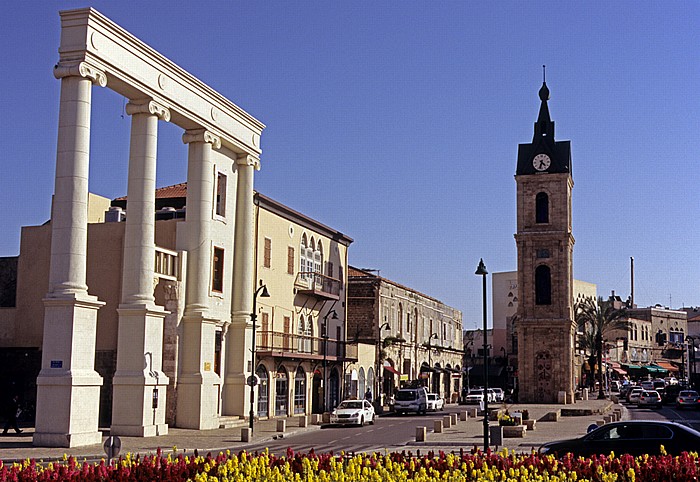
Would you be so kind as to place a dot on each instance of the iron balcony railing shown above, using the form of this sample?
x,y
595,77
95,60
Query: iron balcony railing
x,y
275,343
317,284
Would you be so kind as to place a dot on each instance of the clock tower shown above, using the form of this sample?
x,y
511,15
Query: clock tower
x,y
544,318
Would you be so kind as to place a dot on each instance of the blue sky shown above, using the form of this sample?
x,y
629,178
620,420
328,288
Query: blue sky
x,y
398,123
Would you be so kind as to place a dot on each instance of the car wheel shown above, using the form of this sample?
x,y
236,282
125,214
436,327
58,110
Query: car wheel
x,y
362,421
371,420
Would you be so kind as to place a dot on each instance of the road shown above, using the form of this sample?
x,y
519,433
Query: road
x,y
389,432
690,417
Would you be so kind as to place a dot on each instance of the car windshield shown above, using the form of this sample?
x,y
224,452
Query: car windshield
x,y
476,392
432,396
351,404
688,393
405,395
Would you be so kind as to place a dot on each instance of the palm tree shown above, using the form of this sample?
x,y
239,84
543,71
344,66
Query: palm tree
x,y
598,319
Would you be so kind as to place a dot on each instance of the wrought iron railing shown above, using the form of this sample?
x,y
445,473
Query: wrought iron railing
x,y
314,283
303,346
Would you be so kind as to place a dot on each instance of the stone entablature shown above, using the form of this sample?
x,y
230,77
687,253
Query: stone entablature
x,y
115,58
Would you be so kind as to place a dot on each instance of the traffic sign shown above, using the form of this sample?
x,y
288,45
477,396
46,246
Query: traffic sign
x,y
112,446
252,381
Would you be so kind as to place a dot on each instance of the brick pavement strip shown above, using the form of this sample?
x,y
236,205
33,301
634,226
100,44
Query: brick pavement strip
x,y
466,434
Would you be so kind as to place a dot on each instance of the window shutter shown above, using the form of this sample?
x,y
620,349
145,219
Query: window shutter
x,y
268,253
290,260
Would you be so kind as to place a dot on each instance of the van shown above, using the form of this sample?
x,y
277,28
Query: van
x,y
411,400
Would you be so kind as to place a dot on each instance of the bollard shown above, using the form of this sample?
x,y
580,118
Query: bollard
x,y
437,426
303,421
463,416
421,434
496,435
446,421
471,412
246,434
453,418
327,417
315,419
607,418
281,425
584,394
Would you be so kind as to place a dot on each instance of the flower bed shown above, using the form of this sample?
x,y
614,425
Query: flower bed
x,y
311,467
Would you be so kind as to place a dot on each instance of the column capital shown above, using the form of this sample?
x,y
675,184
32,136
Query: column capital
x,y
148,107
202,135
80,69
248,160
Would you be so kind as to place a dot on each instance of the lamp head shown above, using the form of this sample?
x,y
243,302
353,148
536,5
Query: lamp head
x,y
265,293
335,315
481,269
433,335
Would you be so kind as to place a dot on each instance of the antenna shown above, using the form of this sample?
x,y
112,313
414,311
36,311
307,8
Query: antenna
x,y
544,74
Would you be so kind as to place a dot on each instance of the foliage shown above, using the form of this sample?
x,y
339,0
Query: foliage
x,y
390,467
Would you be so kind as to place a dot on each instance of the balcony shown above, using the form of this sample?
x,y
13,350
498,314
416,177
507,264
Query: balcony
x,y
318,285
168,264
304,347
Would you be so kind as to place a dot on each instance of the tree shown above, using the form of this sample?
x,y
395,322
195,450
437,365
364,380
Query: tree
x,y
598,319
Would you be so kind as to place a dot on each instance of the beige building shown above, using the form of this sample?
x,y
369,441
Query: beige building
x,y
301,346
417,338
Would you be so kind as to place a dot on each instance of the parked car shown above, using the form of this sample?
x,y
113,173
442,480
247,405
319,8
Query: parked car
x,y
649,398
615,386
353,412
688,399
647,385
435,402
476,395
411,400
633,395
670,395
635,437
499,396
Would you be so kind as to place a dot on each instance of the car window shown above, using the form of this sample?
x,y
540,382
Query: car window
x,y
655,431
405,395
350,404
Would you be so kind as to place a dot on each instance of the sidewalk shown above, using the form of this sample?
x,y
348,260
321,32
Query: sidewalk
x,y
466,435
470,433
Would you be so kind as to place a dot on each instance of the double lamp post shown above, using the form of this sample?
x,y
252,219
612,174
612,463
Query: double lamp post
x,y
481,270
252,381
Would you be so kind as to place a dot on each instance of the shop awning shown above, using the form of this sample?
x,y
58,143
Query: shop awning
x,y
655,369
427,369
666,365
631,367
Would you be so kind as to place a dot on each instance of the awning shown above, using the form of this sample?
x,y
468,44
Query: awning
x,y
631,367
655,369
391,369
666,365
427,369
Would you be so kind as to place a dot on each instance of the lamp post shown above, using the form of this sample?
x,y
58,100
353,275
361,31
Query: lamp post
x,y
481,270
380,374
325,353
263,293
691,359
430,359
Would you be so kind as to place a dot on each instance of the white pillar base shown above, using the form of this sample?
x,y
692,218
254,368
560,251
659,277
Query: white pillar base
x,y
238,358
237,396
138,374
198,401
68,387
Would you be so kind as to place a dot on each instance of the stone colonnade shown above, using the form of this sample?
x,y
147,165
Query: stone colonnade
x,y
94,51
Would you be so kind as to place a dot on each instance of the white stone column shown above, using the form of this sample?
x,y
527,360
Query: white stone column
x,y
139,379
198,384
68,388
239,342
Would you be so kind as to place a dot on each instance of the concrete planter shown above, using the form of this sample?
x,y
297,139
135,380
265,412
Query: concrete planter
x,y
515,431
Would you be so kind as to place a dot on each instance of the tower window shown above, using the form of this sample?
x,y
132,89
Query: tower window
x,y
541,208
543,285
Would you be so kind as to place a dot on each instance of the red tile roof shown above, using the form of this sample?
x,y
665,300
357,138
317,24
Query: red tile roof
x,y
167,192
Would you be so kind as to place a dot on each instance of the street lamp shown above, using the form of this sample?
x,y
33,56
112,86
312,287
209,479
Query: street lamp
x,y
481,270
263,293
325,352
430,359
691,359
380,374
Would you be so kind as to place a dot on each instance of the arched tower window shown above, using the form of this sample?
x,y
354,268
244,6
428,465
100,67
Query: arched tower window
x,y
541,208
543,285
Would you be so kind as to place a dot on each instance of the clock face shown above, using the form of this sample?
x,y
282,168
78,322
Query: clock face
x,y
541,162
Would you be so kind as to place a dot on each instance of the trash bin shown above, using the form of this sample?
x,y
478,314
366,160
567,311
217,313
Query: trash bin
x,y
496,435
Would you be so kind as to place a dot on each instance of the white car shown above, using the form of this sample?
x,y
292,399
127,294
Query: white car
x,y
634,395
435,402
475,396
499,396
353,412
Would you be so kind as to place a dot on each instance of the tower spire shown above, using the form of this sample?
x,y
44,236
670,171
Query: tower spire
x,y
544,127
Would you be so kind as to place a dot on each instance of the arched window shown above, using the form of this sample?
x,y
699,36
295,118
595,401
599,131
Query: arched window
x,y
302,257
281,392
300,391
370,380
263,391
543,285
300,332
541,208
363,381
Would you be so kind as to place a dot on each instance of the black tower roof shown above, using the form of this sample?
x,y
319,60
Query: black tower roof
x,y
543,143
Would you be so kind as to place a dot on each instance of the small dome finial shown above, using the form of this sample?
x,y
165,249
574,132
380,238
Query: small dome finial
x,y
544,91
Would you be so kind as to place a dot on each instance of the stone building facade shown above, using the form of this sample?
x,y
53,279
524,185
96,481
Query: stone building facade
x,y
544,319
417,338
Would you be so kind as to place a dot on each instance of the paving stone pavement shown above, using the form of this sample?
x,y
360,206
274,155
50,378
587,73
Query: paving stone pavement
x,y
465,434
